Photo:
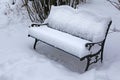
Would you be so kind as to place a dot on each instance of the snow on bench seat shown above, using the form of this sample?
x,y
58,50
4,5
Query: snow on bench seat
x,y
64,41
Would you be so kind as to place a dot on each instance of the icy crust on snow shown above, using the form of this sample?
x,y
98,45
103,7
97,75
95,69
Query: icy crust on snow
x,y
64,41
80,23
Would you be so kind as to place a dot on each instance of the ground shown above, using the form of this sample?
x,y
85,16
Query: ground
x,y
18,61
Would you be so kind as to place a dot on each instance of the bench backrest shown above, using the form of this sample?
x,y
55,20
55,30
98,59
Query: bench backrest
x,y
83,24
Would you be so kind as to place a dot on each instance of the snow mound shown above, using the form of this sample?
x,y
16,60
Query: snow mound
x,y
79,23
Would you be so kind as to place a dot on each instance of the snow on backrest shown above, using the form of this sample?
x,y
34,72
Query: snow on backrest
x,y
83,24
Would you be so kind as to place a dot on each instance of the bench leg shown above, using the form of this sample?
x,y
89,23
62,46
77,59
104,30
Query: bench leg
x,y
102,57
102,54
88,63
34,47
91,59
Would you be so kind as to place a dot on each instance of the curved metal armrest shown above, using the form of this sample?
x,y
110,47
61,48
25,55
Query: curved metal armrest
x,y
89,45
93,43
37,25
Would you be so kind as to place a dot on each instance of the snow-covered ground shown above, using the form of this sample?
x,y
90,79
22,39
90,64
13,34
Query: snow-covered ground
x,y
18,61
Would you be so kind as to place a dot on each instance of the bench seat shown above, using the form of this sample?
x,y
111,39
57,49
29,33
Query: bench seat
x,y
67,42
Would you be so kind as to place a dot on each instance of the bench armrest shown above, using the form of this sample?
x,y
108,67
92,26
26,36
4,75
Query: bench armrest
x,y
37,24
92,43
89,45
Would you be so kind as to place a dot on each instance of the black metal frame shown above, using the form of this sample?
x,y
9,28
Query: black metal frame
x,y
97,56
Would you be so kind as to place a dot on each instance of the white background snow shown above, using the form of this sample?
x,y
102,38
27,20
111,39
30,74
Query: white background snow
x,y
18,61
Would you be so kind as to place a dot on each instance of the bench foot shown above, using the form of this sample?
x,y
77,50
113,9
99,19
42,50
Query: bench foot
x,y
34,47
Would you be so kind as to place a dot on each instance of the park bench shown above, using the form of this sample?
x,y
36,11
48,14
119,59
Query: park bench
x,y
79,33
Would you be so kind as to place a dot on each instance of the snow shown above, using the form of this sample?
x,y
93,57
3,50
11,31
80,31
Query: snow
x,y
18,61
79,23
64,41
4,21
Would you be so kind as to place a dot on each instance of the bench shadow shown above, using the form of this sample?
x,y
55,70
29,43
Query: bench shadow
x,y
68,61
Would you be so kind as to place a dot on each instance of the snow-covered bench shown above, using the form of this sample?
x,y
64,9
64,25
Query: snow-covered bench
x,y
79,33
